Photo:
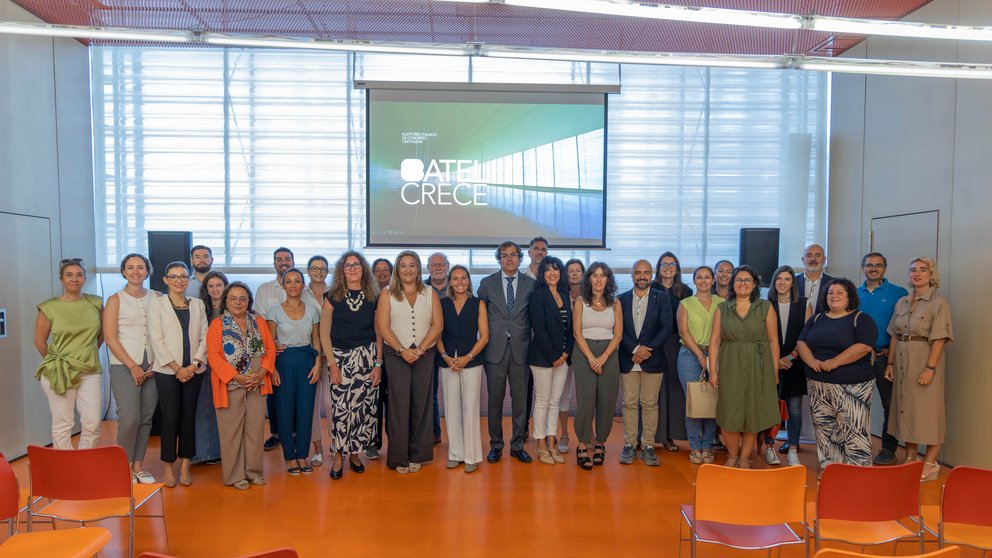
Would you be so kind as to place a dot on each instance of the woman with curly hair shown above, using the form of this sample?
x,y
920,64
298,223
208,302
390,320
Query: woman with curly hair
x,y
354,359
597,325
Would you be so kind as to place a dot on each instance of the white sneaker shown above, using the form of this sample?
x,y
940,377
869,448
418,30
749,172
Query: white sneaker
x,y
771,456
792,457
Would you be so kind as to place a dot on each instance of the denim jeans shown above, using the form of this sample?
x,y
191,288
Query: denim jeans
x,y
702,432
794,425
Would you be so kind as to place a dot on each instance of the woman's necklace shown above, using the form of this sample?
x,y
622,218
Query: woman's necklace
x,y
354,304
183,306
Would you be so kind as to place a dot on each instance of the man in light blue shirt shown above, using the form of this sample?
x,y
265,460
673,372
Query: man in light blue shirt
x,y
878,300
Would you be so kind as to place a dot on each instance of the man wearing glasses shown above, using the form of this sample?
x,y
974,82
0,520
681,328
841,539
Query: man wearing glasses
x,y
878,299
268,295
438,266
505,294
201,258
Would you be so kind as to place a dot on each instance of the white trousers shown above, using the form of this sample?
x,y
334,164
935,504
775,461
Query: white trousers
x,y
87,398
461,413
548,385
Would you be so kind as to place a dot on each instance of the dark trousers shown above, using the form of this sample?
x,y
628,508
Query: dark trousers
x,y
380,409
671,398
497,375
889,442
437,408
409,402
294,401
177,403
270,410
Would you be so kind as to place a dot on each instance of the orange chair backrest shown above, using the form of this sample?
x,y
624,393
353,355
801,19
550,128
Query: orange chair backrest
x,y
86,474
968,497
9,491
949,552
750,496
857,493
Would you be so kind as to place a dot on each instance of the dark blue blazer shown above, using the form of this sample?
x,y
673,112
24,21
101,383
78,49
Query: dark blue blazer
x,y
549,333
824,283
655,330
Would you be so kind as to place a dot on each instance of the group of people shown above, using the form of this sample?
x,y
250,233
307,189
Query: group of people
x,y
371,346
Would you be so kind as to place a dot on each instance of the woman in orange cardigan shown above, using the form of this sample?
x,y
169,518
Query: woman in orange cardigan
x,y
242,359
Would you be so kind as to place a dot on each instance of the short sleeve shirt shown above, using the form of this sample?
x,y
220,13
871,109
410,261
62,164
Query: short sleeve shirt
x,y
828,337
290,332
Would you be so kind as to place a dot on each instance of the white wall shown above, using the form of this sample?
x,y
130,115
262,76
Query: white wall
x,y
46,178
902,145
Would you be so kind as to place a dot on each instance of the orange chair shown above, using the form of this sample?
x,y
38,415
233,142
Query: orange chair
x,y
747,508
949,552
88,485
869,505
277,553
966,509
67,543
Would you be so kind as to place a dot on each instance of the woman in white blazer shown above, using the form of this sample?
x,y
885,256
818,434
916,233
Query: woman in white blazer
x,y
177,331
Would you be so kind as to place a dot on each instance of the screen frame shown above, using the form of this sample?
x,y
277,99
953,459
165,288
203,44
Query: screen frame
x,y
368,85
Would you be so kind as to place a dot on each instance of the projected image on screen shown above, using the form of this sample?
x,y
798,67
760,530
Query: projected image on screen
x,y
458,168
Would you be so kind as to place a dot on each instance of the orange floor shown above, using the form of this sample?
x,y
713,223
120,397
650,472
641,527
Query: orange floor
x,y
507,509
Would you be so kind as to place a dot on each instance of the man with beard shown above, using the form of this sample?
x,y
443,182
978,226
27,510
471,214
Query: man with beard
x,y
812,282
201,258
878,299
438,266
647,325
268,295
537,250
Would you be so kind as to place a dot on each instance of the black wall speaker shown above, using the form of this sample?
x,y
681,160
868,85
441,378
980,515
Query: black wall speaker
x,y
759,249
165,247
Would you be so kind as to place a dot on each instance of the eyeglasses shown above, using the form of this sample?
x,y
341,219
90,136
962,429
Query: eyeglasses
x,y
71,261
315,269
744,281
509,255
440,265
354,265
874,266
242,299
174,277
668,264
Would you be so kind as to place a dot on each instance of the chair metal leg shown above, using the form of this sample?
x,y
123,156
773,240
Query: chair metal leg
x,y
130,535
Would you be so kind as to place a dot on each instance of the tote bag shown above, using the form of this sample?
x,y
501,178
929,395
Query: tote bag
x,y
700,398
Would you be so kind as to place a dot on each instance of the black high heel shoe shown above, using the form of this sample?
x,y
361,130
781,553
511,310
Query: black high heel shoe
x,y
356,467
337,474
598,455
582,459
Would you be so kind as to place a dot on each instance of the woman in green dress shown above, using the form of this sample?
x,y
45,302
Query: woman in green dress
x,y
743,350
67,334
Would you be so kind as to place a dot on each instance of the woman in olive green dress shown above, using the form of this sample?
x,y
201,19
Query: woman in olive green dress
x,y
67,334
743,350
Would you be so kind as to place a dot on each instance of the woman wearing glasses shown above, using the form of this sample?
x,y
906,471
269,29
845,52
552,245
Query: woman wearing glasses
x,y
242,357
313,295
125,328
67,334
177,332
671,399
347,334
742,361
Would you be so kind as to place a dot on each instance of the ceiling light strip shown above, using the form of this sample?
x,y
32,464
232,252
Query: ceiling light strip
x,y
651,58
668,12
895,67
94,33
900,29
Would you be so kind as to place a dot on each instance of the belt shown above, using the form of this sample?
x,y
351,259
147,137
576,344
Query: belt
x,y
904,338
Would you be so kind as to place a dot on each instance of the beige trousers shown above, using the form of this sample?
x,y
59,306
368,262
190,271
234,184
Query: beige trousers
x,y
640,388
242,430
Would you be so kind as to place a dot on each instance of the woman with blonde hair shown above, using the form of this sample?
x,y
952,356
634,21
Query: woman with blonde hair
x,y
920,329
409,319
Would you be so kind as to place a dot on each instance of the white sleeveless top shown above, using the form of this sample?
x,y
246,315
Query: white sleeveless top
x,y
597,324
132,327
410,323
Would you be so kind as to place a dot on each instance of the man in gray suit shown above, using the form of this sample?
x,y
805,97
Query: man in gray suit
x,y
505,294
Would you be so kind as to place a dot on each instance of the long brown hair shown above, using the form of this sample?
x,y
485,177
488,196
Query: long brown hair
x,y
395,288
339,286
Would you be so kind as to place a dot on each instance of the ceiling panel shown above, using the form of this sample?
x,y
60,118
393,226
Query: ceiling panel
x,y
493,24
